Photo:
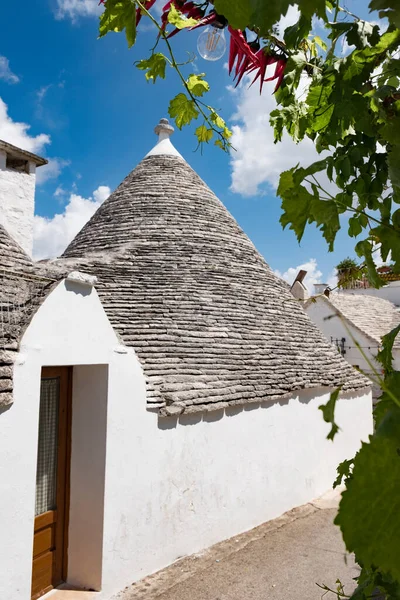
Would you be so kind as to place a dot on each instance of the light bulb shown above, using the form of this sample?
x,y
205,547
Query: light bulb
x,y
211,43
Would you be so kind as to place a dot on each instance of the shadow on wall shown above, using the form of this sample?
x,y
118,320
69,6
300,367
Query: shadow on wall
x,y
304,396
4,409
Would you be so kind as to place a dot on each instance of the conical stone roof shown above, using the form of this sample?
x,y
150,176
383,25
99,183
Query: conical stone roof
x,y
183,285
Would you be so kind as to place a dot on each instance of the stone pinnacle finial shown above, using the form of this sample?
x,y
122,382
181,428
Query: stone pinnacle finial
x,y
164,129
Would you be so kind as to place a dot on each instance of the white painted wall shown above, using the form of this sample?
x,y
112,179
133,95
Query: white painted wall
x,y
172,487
88,459
390,292
17,203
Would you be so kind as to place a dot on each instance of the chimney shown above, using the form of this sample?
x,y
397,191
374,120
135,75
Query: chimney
x,y
17,192
298,289
319,288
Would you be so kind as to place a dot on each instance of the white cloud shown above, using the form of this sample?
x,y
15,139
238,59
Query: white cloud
x,y
52,236
60,192
18,133
314,275
50,171
291,17
5,72
73,9
257,161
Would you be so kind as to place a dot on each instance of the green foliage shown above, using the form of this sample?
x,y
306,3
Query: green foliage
x,y
119,15
347,263
183,110
369,512
328,412
154,66
385,356
204,134
344,471
178,20
264,15
354,114
197,85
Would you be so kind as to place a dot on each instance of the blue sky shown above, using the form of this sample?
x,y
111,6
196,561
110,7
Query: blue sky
x,y
99,114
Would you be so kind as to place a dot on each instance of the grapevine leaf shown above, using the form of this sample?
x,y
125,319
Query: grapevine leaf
x,y
183,110
320,42
326,216
354,227
117,16
369,512
344,470
385,356
364,248
391,387
362,33
177,19
387,8
394,165
197,85
203,134
328,412
296,209
264,15
299,31
217,120
154,66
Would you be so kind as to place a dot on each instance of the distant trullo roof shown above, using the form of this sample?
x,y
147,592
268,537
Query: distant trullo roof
x,y
183,285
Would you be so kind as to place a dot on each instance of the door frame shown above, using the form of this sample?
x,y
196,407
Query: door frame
x,y
60,565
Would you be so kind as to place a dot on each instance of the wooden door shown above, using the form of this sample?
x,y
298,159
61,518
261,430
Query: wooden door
x,y
52,481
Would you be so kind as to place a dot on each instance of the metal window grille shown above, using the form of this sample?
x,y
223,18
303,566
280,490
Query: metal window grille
x,y
46,474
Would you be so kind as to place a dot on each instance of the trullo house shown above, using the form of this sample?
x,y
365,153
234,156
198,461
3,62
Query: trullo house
x,y
159,385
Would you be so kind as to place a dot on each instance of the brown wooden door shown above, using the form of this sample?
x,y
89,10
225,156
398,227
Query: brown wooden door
x,y
52,481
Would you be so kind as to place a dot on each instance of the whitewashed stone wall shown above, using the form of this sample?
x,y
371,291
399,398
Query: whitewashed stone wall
x,y
17,202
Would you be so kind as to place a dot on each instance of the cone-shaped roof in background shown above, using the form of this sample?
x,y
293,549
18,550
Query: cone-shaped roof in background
x,y
183,285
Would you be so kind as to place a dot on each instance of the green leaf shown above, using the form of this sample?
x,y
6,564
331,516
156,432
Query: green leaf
x,y
197,85
328,412
325,214
155,66
362,33
203,134
354,227
320,42
264,15
385,356
183,110
394,165
364,249
117,16
295,206
369,512
179,20
387,8
217,120
391,387
294,34
344,470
